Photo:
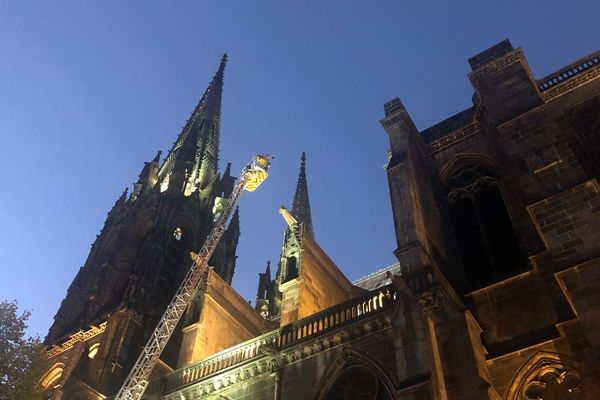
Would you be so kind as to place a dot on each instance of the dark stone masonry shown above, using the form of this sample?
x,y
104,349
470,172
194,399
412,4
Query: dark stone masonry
x,y
496,294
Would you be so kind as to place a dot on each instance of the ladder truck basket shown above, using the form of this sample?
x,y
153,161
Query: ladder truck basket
x,y
256,171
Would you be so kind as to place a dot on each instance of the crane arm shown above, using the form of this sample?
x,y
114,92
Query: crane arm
x,y
136,382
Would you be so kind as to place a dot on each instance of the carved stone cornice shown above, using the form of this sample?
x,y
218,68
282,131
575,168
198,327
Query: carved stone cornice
x,y
79,336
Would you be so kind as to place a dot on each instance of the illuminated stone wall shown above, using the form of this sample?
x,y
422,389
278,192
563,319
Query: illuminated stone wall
x,y
523,325
225,320
139,259
524,162
320,284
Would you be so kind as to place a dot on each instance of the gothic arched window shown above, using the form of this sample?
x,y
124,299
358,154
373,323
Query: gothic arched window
x,y
291,268
50,378
548,376
358,383
486,239
93,350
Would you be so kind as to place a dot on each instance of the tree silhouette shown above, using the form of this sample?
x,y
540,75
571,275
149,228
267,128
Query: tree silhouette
x,y
22,360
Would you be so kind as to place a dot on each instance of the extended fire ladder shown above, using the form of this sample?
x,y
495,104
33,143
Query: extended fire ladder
x,y
134,386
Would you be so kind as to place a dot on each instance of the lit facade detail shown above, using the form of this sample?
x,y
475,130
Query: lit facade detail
x,y
50,379
496,213
93,350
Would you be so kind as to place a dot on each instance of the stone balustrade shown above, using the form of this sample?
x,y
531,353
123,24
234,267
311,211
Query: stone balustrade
x,y
235,355
337,316
287,336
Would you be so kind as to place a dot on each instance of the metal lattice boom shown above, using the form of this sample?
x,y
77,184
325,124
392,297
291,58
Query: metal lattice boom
x,y
134,386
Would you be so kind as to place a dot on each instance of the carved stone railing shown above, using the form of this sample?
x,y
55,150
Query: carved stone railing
x,y
289,335
337,316
79,336
243,352
575,74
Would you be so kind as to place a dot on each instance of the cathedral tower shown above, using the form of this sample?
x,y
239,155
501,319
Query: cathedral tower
x,y
268,297
307,280
139,259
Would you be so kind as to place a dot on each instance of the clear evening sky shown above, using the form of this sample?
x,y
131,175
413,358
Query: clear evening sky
x,y
91,90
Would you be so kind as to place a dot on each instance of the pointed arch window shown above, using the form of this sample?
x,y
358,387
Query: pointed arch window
x,y
358,383
50,378
486,239
93,350
290,270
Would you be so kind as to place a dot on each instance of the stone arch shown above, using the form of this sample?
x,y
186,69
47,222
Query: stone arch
x,y
541,371
92,351
463,160
50,378
480,216
349,366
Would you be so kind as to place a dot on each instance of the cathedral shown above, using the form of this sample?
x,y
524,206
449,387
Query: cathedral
x,y
496,293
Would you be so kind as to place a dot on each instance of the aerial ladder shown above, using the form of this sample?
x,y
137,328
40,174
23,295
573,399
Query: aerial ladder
x,y
134,386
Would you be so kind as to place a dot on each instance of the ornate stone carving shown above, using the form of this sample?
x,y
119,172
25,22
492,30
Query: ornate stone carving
x,y
546,376
430,299
553,383
75,338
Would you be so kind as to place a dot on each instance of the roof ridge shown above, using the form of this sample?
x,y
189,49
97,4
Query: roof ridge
x,y
372,274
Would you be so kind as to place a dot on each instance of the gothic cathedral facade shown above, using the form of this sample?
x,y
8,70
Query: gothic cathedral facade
x,y
496,293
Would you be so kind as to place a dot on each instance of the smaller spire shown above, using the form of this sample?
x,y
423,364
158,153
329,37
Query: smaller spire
x,y
116,209
120,201
264,283
301,204
157,157
227,170
123,195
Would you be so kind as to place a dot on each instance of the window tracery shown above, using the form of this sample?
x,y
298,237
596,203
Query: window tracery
x,y
358,383
553,383
547,376
486,238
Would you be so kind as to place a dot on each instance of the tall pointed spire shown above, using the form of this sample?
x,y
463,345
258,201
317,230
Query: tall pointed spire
x,y
301,204
196,151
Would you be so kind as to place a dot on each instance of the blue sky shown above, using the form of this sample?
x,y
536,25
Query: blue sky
x,y
91,90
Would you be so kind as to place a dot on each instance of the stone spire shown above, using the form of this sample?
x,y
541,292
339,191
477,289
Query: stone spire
x,y
301,204
195,153
264,283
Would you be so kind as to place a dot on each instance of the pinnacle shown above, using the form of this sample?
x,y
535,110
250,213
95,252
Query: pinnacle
x,y
227,170
197,147
301,204
123,196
